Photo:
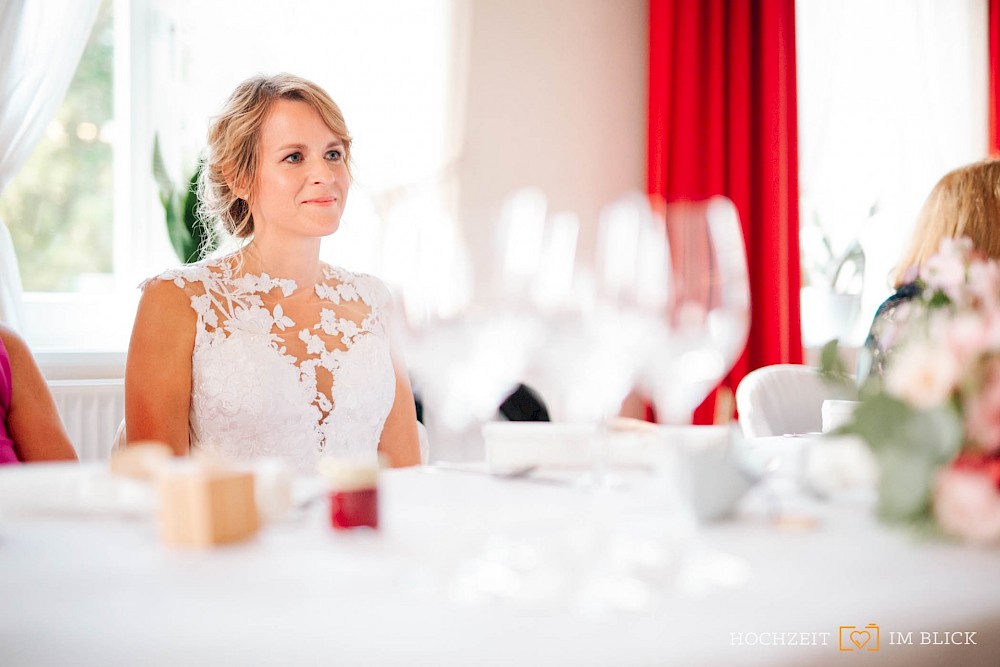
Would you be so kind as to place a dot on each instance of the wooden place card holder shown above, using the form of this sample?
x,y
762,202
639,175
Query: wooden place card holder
x,y
204,506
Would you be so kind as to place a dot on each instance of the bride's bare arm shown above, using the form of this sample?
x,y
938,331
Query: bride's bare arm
x,y
399,440
158,369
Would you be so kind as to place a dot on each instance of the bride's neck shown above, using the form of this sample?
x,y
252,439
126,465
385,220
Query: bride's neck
x,y
300,262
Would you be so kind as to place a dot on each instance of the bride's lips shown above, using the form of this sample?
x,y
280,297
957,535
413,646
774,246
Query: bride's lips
x,y
321,201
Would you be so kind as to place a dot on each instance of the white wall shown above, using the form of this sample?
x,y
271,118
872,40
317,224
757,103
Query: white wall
x,y
556,99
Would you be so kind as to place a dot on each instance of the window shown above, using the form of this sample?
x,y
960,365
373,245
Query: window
x,y
892,95
59,205
84,211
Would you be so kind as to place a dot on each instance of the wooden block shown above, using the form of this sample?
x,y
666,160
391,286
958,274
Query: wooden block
x,y
202,507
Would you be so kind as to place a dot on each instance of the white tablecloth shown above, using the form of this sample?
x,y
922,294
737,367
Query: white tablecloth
x,y
103,590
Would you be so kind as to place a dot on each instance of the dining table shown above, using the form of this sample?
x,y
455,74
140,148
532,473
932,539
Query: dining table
x,y
469,567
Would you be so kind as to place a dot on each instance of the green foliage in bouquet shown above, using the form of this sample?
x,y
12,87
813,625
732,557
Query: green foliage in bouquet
x,y
911,446
909,443
189,238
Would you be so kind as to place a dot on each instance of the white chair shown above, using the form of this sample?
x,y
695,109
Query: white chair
x,y
119,439
425,446
785,398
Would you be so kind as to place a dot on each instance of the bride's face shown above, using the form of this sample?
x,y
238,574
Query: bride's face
x,y
302,179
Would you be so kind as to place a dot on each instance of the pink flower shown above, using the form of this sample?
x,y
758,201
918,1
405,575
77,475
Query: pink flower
x,y
967,505
982,411
985,464
922,374
984,276
945,271
968,335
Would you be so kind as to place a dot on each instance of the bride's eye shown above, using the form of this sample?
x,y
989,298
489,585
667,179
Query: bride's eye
x,y
293,158
335,155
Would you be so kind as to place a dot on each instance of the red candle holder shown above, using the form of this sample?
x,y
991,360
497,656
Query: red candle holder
x,y
353,509
354,498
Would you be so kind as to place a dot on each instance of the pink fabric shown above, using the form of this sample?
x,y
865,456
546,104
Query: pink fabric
x,y
7,454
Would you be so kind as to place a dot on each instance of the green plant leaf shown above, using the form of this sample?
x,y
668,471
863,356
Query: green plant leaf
x,y
831,364
197,246
163,181
910,445
188,237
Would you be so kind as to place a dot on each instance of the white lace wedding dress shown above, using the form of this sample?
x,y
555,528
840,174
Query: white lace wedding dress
x,y
279,373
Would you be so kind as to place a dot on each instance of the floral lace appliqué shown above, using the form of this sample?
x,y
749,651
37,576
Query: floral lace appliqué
x,y
269,380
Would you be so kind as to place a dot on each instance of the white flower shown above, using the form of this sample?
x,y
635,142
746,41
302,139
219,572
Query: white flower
x,y
314,344
254,320
835,464
324,291
922,374
328,322
281,320
347,292
247,283
349,328
203,306
330,359
211,318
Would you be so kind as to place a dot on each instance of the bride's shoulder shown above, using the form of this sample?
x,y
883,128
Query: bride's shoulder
x,y
367,286
199,275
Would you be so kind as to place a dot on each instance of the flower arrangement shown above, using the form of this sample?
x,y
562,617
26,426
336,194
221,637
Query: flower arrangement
x,y
933,418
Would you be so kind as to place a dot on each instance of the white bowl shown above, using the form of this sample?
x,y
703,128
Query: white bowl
x,y
713,467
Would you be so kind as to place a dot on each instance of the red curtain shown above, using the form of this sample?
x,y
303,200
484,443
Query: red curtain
x,y
994,93
722,120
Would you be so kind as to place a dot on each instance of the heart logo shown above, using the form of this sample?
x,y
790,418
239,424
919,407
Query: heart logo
x,y
860,638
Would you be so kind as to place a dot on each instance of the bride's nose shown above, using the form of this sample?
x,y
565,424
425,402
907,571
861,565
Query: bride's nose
x,y
322,173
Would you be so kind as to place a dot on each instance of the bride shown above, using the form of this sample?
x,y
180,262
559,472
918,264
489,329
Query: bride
x,y
268,351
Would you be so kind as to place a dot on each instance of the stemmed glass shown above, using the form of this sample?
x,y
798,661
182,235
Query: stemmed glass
x,y
704,323
583,368
466,348
695,303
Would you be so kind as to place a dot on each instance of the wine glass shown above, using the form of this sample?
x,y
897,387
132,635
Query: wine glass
x,y
466,349
704,323
593,320
582,368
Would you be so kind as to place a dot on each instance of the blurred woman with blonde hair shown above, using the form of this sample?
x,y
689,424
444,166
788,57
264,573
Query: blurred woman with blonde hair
x,y
964,203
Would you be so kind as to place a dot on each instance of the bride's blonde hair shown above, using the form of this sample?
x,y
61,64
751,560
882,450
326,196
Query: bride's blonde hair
x,y
228,178
965,202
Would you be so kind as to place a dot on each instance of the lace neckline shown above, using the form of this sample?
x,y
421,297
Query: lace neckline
x,y
278,374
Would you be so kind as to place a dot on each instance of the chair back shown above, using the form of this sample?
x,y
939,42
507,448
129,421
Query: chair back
x,y
785,398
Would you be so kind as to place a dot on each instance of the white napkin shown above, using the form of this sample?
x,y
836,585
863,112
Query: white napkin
x,y
837,464
73,489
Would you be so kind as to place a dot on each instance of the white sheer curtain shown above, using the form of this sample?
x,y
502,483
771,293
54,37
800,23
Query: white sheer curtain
x,y
892,94
40,46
